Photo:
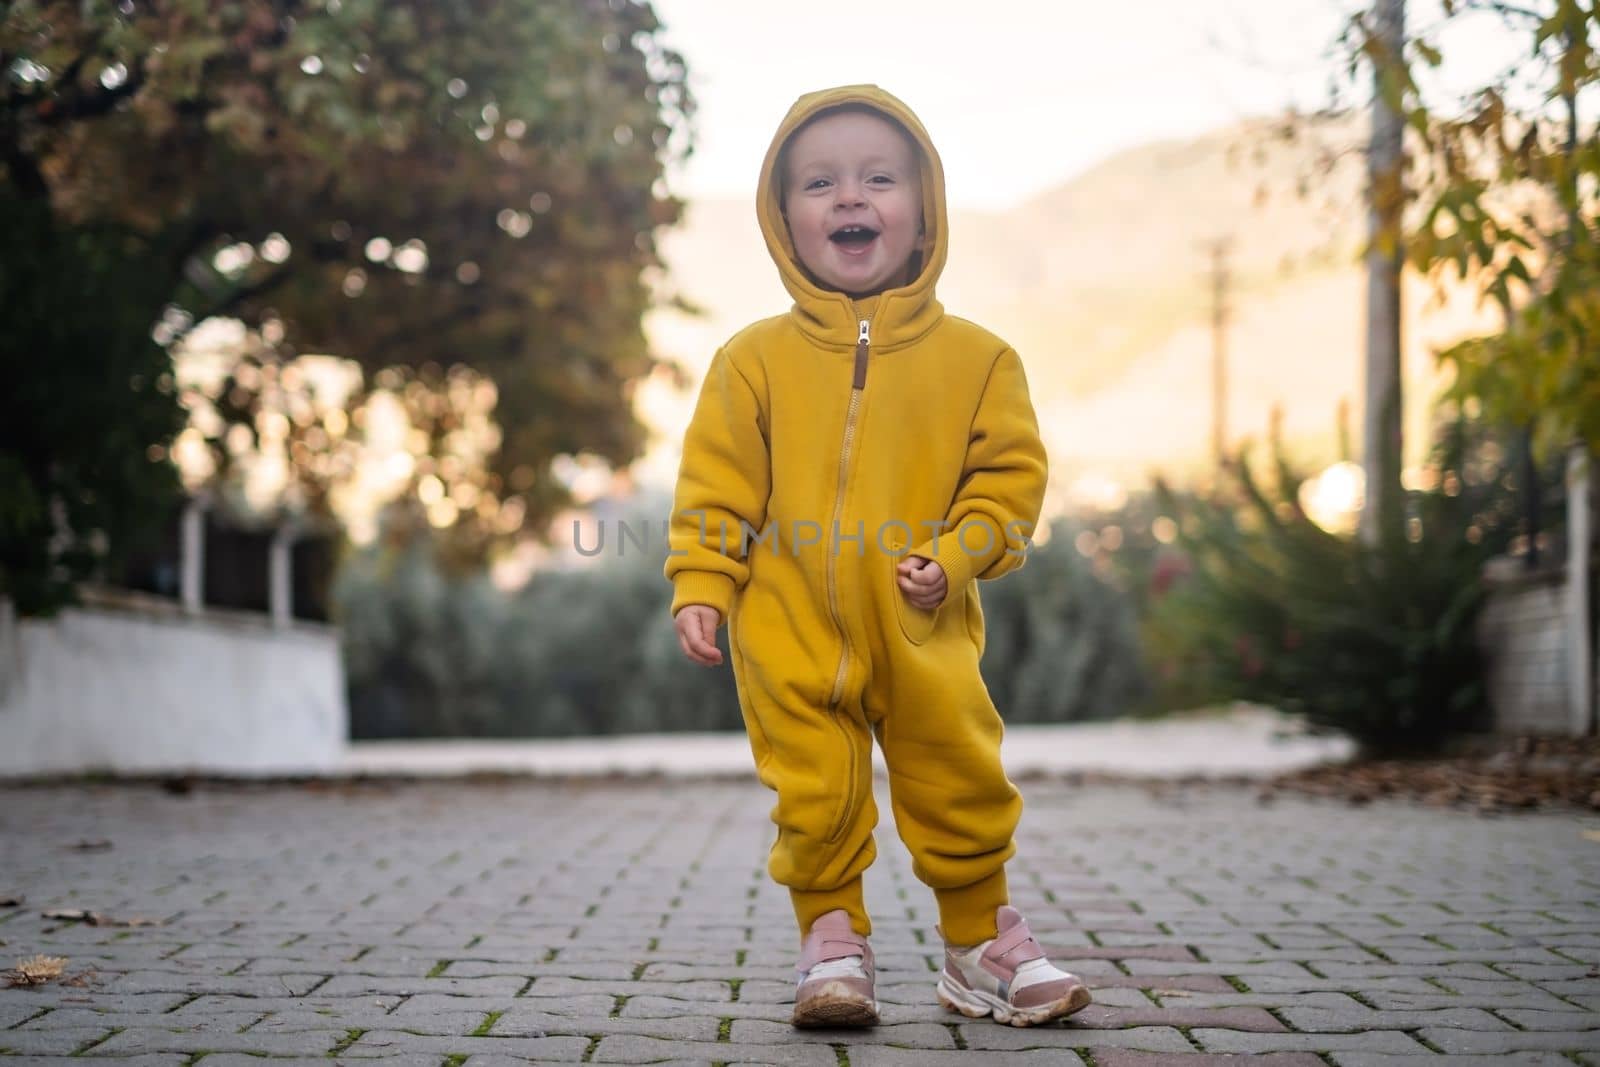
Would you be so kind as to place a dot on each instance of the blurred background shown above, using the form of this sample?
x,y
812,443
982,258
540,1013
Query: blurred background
x,y
341,339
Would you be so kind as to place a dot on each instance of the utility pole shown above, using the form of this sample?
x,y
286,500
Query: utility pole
x,y
1381,443
1219,248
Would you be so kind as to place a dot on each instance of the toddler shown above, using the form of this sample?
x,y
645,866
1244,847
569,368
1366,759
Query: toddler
x,y
851,469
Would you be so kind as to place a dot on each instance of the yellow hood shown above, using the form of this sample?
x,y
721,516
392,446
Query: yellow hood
x,y
899,316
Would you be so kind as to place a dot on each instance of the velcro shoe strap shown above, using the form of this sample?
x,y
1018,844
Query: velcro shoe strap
x,y
1015,946
831,947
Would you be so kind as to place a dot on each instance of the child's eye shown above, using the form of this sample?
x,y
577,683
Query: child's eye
x,y
818,183
881,179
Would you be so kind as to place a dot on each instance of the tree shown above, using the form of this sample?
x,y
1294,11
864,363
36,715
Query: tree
x,y
1381,449
1507,200
403,183
87,403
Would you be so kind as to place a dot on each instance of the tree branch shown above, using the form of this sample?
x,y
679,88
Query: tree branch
x,y
50,113
1503,9
237,297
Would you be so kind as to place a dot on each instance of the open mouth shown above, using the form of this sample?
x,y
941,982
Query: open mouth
x,y
853,236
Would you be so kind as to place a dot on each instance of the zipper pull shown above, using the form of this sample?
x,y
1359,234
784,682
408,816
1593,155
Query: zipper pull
x,y
862,343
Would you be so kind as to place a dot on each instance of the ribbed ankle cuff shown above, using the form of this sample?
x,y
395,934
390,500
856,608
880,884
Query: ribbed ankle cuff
x,y
966,915
810,904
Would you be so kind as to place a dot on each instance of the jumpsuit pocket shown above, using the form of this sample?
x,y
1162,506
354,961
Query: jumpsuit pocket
x,y
975,629
916,623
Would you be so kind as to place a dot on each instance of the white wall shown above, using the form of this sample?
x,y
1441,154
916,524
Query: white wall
x,y
139,687
1522,632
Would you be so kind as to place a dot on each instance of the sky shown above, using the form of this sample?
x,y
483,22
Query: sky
x,y
1019,95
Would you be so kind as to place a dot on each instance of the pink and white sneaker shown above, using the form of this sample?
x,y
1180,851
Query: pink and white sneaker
x,y
1010,978
836,976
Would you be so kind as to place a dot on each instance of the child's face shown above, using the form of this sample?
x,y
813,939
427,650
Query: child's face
x,y
853,200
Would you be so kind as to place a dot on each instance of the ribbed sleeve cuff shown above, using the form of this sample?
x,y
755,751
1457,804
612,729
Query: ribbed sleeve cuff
x,y
702,587
960,564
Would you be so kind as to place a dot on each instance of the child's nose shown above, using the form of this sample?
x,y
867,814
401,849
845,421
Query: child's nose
x,y
848,194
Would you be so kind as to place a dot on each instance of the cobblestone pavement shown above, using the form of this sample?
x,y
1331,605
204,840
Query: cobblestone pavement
x,y
632,922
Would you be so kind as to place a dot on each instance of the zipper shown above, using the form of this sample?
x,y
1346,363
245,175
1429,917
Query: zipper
x,y
857,384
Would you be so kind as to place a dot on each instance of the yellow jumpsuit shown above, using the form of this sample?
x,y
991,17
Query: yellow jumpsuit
x,y
827,443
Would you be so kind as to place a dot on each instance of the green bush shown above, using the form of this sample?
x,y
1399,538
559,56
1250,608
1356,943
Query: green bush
x,y
1062,644
1377,641
87,405
435,652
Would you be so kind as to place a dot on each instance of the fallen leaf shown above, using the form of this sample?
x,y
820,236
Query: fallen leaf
x,y
1591,835
12,900
95,918
73,915
37,970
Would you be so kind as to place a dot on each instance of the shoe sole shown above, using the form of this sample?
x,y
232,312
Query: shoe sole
x,y
828,1010
975,1004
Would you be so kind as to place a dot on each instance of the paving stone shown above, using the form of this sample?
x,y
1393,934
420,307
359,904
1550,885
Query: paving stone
x,y
1132,1058
1100,1016
51,1041
633,1049
1159,984
869,1056
360,985
440,1023
386,1043
16,1014
331,1007
1272,968
1270,983
276,985
904,1035
148,1059
1573,988
1370,1041
1328,1001
68,997
154,1039
1551,1020
703,991
1475,1041
586,970
1350,1020
230,1022
1515,995
891,1014
1378,1059
521,1022
520,1061
991,1035
581,1004
264,965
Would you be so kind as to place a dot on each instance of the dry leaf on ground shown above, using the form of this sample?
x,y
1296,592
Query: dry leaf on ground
x,y
95,918
74,915
36,970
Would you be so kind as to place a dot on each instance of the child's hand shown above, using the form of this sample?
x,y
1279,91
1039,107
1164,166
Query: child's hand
x,y
697,633
922,581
